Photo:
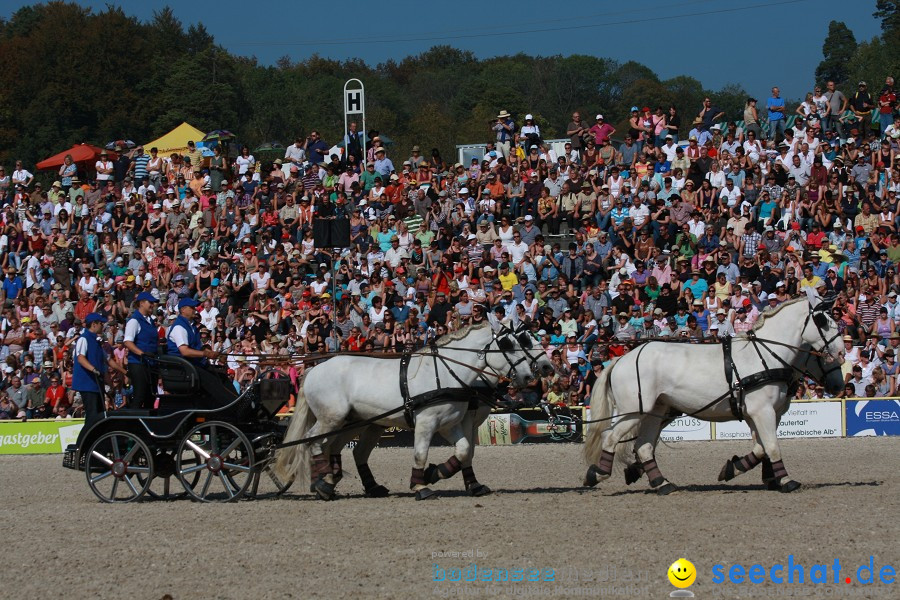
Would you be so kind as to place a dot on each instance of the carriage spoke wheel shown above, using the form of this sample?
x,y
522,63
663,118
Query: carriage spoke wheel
x,y
222,456
119,467
268,484
165,484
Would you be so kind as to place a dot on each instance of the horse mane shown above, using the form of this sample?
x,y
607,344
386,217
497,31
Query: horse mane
x,y
769,314
461,333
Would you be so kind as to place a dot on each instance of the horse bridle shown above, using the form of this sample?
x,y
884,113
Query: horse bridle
x,y
501,338
819,316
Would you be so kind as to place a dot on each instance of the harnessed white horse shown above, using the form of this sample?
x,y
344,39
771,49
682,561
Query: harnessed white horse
x,y
437,384
764,365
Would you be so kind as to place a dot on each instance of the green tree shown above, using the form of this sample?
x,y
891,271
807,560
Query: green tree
x,y
838,49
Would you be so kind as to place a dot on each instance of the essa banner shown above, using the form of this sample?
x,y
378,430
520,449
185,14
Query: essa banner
x,y
873,417
802,420
38,437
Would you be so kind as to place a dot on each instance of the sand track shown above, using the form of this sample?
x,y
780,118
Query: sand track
x,y
60,542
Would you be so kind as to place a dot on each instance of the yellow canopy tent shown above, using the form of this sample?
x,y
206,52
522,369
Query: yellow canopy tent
x,y
176,140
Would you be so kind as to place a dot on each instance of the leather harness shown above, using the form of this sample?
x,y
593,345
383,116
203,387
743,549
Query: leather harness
x,y
475,395
738,386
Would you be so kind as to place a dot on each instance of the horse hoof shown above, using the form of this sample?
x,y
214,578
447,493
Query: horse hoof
x,y
377,491
479,490
633,473
425,494
727,472
323,489
666,489
657,481
594,476
789,486
432,474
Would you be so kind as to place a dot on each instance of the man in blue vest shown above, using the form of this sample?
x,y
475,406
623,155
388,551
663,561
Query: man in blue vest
x,y
141,338
183,340
91,365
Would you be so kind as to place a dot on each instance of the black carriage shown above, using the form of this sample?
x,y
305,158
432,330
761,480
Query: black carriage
x,y
190,445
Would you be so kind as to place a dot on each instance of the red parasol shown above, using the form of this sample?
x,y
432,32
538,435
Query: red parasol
x,y
81,153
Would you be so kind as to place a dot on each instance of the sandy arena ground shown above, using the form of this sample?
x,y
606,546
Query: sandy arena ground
x,y
60,542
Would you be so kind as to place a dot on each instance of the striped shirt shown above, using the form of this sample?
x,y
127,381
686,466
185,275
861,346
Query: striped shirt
x,y
140,167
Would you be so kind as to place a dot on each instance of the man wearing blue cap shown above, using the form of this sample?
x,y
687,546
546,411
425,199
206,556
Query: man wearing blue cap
x,y
91,364
141,337
183,340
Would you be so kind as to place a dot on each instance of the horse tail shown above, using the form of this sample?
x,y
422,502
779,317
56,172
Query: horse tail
x,y
602,406
293,461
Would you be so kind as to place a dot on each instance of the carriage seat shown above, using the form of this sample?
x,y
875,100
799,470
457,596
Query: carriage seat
x,y
179,377
274,394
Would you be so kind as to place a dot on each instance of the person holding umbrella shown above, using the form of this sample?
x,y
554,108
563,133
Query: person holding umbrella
x,y
91,364
141,338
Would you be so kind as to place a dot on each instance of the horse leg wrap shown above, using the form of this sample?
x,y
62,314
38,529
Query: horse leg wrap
x,y
653,473
417,478
603,469
738,465
450,468
747,463
469,477
778,469
435,473
365,476
320,466
335,467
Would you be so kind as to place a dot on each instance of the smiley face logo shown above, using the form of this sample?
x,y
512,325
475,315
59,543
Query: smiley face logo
x,y
682,573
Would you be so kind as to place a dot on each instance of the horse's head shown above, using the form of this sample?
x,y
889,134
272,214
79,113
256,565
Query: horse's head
x,y
518,356
821,334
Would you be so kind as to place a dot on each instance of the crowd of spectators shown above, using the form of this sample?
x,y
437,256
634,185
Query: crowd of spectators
x,y
592,248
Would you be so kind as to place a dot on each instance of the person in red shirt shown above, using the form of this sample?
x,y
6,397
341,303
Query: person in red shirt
x,y
56,393
355,341
84,306
887,101
815,238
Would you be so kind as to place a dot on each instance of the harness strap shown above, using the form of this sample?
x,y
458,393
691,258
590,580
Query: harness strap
x,y
408,413
736,401
637,375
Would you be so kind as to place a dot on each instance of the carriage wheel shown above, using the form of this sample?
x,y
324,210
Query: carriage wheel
x,y
267,484
222,456
165,484
119,467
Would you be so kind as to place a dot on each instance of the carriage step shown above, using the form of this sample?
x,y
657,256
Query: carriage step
x,y
69,459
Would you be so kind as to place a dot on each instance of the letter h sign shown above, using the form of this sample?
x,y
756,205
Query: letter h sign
x,y
354,102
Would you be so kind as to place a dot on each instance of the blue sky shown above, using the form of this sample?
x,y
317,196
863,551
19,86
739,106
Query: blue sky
x,y
757,43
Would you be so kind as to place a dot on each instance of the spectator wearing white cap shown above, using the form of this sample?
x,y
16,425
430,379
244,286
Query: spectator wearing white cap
x,y
530,132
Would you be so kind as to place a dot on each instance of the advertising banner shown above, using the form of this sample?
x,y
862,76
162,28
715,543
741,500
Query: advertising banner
x,y
531,425
685,429
873,417
802,420
38,437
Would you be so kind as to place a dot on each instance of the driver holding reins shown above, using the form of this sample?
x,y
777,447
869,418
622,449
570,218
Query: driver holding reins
x,y
183,339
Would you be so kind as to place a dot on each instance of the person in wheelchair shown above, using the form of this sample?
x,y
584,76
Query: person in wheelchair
x,y
183,339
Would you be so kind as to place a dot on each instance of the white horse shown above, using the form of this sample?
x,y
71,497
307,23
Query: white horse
x,y
447,376
810,365
646,385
